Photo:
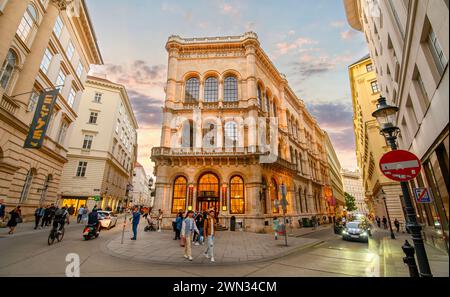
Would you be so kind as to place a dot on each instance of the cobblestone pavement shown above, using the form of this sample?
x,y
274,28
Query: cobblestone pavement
x,y
230,247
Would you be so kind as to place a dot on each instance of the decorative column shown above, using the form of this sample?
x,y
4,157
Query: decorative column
x,y
250,53
221,92
201,97
172,76
31,67
9,22
190,202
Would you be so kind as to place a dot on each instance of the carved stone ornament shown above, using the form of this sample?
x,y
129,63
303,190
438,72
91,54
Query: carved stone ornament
x,y
62,4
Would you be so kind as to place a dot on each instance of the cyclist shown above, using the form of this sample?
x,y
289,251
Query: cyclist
x,y
61,217
93,219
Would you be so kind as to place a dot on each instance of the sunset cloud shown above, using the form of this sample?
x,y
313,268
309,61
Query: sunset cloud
x,y
348,34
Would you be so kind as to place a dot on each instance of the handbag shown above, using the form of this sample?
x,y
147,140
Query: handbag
x,y
183,241
19,220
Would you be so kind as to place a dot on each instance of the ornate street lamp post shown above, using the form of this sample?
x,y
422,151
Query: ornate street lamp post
x,y
385,115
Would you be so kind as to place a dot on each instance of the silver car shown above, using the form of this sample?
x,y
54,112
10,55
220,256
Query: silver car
x,y
107,219
355,231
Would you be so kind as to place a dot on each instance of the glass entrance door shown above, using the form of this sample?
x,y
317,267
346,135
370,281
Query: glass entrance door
x,y
204,205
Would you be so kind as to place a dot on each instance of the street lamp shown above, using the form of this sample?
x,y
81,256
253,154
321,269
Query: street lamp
x,y
385,115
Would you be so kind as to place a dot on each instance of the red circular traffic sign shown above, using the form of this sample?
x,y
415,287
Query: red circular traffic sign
x,y
400,165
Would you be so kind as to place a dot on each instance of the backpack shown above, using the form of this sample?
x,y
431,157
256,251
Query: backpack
x,y
59,213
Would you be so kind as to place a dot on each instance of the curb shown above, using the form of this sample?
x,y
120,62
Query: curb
x,y
106,250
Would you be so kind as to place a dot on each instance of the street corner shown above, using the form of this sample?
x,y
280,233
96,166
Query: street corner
x,y
230,248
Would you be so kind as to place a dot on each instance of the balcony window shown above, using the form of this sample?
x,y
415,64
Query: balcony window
x,y
211,90
7,68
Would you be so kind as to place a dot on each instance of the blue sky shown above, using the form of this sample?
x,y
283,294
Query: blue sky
x,y
308,40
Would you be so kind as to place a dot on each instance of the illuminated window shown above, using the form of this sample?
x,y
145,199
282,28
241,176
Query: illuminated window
x,y
179,194
208,186
192,90
274,196
237,199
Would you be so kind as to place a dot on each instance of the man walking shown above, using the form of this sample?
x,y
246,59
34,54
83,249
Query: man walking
x,y
384,222
208,233
135,220
160,217
397,225
187,231
80,214
38,215
2,210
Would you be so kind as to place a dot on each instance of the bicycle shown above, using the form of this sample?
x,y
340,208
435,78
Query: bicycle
x,y
55,234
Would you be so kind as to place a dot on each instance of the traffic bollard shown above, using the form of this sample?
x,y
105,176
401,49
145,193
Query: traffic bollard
x,y
410,260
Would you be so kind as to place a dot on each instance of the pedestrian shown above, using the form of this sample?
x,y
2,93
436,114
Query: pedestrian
x,y
384,222
160,217
2,210
45,217
14,219
378,222
275,226
209,233
85,218
397,225
80,214
135,220
199,221
187,231
178,225
344,221
52,210
38,215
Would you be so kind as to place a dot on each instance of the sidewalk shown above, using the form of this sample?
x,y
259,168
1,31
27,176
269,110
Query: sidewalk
x,y
230,248
391,250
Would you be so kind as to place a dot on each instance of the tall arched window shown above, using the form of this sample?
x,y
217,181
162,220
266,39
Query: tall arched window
x,y
187,137
267,107
208,185
259,96
27,22
274,196
264,195
305,196
230,89
300,199
179,194
211,90
231,135
237,199
27,185
7,68
192,90
275,113
209,135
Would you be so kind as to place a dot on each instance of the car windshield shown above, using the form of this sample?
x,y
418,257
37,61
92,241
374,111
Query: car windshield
x,y
353,225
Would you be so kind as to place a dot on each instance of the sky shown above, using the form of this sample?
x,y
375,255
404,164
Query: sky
x,y
308,40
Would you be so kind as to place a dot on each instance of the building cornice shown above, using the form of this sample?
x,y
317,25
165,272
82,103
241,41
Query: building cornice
x,y
352,11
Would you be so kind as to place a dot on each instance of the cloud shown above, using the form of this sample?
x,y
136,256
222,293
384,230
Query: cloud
x,y
348,34
337,24
309,65
229,9
147,110
299,44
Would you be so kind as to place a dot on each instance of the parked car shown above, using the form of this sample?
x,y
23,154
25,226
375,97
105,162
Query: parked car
x,y
355,230
107,219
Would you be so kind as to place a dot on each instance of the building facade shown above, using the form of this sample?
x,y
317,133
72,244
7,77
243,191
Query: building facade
x,y
370,144
141,191
102,148
42,47
353,185
233,133
409,45
337,202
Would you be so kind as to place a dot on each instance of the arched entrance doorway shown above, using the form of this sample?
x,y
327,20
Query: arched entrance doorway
x,y
208,192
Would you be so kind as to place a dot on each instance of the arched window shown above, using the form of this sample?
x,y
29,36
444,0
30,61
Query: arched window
x,y
211,90
7,68
192,90
208,185
300,199
231,135
275,114
27,22
230,89
27,185
259,96
187,137
237,199
274,196
267,107
179,194
209,135
305,196
264,195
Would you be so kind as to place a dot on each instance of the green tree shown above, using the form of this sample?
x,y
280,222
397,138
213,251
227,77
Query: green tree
x,y
349,202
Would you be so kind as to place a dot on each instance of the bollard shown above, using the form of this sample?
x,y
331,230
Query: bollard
x,y
410,260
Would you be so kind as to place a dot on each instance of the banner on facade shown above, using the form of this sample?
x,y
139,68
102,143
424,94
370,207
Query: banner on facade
x,y
39,125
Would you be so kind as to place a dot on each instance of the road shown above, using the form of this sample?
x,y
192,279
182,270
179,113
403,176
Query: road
x,y
29,255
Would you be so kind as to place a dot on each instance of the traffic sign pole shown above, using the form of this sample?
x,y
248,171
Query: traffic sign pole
x,y
411,221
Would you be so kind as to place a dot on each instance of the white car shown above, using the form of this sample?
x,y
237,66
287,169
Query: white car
x,y
107,219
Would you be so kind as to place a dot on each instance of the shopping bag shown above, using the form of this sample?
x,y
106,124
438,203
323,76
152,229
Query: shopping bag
x,y
182,241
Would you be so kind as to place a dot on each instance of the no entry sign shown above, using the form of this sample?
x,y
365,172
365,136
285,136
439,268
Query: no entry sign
x,y
400,165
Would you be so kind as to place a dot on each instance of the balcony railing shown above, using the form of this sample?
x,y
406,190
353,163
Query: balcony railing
x,y
8,104
233,151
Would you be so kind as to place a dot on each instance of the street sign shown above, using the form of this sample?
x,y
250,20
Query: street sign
x,y
400,165
423,195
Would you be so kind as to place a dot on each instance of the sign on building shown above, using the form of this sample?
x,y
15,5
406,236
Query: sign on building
x,y
422,195
39,125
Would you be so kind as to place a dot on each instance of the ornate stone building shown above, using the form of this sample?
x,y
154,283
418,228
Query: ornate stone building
x,y
42,46
233,133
